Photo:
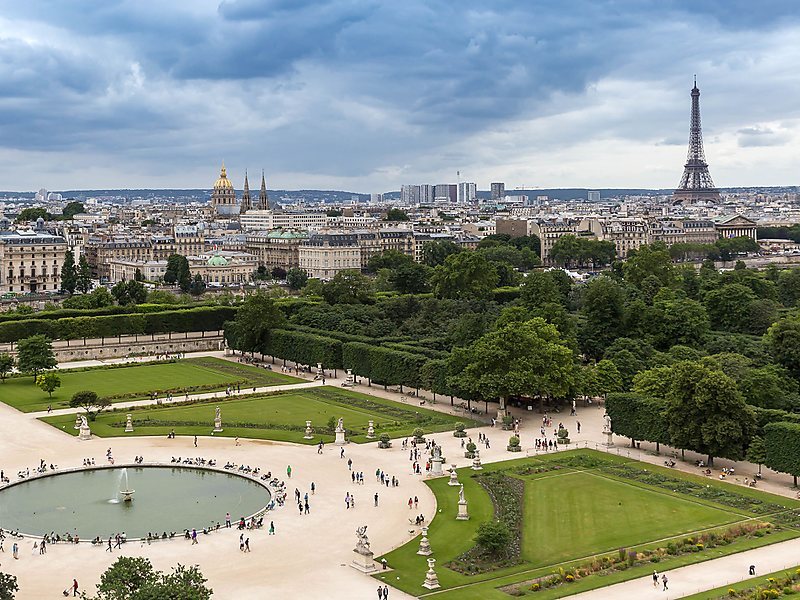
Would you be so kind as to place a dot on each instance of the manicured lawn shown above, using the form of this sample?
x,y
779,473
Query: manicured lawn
x,y
138,382
595,514
572,513
280,416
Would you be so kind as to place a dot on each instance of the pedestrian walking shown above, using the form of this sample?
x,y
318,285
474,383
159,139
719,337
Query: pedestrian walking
x,y
228,520
289,471
195,441
376,498
416,502
15,550
655,579
272,528
578,423
664,580
341,453
74,587
247,545
313,488
194,536
385,592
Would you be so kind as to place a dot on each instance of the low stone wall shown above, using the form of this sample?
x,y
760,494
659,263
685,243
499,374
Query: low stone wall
x,y
132,345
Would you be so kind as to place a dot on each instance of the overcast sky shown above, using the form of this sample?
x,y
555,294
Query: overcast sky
x,y
366,95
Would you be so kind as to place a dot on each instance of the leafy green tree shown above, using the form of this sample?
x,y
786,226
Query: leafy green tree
x,y
728,306
435,253
33,214
493,538
348,287
161,297
177,271
7,364
8,586
198,286
570,250
465,275
135,579
411,278
708,414
296,278
603,308
137,275
388,259
606,378
783,341
125,577
649,260
69,275
770,386
48,383
129,292
789,286
84,275
676,320
72,209
757,452
278,273
540,288
519,359
395,214
35,354
655,382
761,314
90,402
313,287
255,320
99,297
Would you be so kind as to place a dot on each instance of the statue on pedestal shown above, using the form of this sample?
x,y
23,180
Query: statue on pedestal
x,y
371,430
607,430
129,423
462,515
363,560
453,476
309,431
339,431
217,420
85,433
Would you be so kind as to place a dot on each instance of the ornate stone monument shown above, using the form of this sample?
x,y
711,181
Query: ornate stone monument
x,y
436,462
371,430
453,476
77,421
363,560
424,544
476,461
85,432
340,440
128,423
309,432
607,430
431,580
218,420
462,515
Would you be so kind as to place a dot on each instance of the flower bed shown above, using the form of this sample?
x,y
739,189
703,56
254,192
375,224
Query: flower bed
x,y
507,494
625,559
777,586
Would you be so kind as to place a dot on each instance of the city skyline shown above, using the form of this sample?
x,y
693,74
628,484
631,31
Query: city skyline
x,y
365,97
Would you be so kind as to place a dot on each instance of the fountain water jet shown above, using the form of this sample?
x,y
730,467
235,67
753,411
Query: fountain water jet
x,y
126,492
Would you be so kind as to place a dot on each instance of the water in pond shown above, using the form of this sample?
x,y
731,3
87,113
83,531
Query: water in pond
x,y
165,499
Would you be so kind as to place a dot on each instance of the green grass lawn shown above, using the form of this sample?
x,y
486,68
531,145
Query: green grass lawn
x,y
570,515
280,416
137,382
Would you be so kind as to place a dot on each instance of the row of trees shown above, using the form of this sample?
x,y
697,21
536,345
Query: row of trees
x,y
75,278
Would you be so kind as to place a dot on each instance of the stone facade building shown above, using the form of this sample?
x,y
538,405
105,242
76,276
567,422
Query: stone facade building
x,y
31,260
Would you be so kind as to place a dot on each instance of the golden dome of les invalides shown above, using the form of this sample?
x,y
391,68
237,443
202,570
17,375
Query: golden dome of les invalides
x,y
223,182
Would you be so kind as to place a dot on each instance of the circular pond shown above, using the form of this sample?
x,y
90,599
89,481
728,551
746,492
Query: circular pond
x,y
165,499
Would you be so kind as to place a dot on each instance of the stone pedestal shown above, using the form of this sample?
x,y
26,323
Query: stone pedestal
x,y
340,439
129,423
476,461
431,580
218,421
78,422
85,432
309,432
609,438
424,544
364,561
371,430
436,467
453,476
462,515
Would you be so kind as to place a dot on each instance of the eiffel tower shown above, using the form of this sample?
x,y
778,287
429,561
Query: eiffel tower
x,y
696,184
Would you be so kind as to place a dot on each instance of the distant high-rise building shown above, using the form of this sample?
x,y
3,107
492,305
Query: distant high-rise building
x,y
409,194
41,195
376,198
445,192
593,196
696,184
498,190
223,196
467,192
426,193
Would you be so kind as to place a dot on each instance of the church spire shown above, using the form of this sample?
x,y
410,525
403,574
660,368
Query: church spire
x,y
263,199
246,203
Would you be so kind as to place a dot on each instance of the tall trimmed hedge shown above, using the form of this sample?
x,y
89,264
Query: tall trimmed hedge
x,y
201,318
305,348
638,417
64,313
383,365
782,441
